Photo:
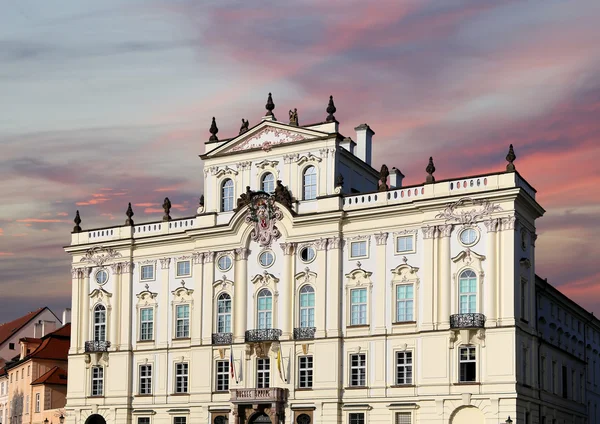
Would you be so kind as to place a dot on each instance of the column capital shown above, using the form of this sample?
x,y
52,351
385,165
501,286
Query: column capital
x,y
197,258
445,230
165,262
492,225
209,257
127,267
334,242
242,253
288,248
381,238
428,231
508,223
321,244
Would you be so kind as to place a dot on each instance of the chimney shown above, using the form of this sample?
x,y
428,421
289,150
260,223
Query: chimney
x,y
66,318
348,144
48,327
38,329
396,178
364,135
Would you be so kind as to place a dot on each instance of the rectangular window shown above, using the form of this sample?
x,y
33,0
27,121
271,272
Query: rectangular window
x,y
305,372
358,370
183,269
179,420
524,314
28,370
358,249
573,384
143,420
146,324
564,381
553,378
468,364
404,302
222,383
356,418
358,307
97,381
263,373
404,244
404,368
11,346
145,379
181,377
37,402
147,272
27,405
403,418
182,323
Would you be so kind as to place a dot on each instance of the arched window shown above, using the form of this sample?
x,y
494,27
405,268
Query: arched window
x,y
227,195
309,183
100,323
224,313
265,309
307,306
267,183
467,292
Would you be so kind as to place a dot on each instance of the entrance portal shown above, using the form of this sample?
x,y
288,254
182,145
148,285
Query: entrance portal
x,y
95,419
259,418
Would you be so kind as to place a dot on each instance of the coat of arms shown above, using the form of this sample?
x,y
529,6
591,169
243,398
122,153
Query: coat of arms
x,y
263,215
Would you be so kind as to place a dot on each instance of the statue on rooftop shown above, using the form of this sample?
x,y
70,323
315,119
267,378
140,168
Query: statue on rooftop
x,y
383,176
244,126
294,117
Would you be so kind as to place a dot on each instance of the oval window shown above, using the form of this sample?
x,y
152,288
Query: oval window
x,y
469,236
102,276
224,263
307,254
266,259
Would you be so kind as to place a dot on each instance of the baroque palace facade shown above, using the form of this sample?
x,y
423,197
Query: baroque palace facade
x,y
310,288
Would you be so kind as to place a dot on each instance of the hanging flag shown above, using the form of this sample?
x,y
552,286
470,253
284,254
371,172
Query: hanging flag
x,y
279,364
231,363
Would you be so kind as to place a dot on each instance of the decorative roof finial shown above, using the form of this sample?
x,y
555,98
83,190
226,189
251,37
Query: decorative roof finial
x,y
270,106
510,157
294,117
167,207
244,126
213,130
77,221
129,214
383,177
430,170
331,110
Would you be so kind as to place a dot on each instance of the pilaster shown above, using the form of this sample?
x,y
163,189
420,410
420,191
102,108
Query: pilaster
x,y
334,285
321,303
241,294
163,304
125,305
428,278
287,291
380,302
76,342
117,270
445,282
208,269
490,291
508,271
197,309
85,306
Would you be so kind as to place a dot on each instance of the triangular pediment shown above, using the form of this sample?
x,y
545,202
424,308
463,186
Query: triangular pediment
x,y
266,135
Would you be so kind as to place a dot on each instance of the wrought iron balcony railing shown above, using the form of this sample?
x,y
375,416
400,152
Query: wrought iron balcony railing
x,y
467,321
271,394
222,338
97,346
304,333
263,335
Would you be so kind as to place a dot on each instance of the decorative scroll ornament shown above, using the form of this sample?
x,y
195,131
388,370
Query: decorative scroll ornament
x,y
99,255
468,217
263,215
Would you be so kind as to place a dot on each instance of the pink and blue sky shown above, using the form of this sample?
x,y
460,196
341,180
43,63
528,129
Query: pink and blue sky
x,y
105,103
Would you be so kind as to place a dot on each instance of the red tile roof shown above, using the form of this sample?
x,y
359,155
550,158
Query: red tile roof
x,y
56,375
54,345
9,328
64,331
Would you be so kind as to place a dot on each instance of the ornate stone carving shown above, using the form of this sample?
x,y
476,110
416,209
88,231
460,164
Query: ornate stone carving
x,y
266,163
471,216
213,130
492,225
508,223
209,257
127,267
100,255
330,111
381,238
445,230
77,221
406,232
244,126
264,213
117,268
334,242
288,248
165,262
244,166
267,138
510,158
294,117
308,158
167,208
198,258
129,213
321,244
242,253
430,169
428,232
384,173
283,195
289,158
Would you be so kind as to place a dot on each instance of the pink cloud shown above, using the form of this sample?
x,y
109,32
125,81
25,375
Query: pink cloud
x,y
62,214
145,205
153,210
40,220
6,254
1,232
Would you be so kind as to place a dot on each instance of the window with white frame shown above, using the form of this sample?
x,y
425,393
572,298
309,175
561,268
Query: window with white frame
x,y
182,321
224,313
99,323
403,418
147,272
404,302
307,306
37,402
356,418
358,307
222,380
179,420
404,368
143,420
267,183
467,296
305,372
183,269
405,244
97,381
358,370
263,373
358,249
181,377
467,361
227,195
146,324
309,183
265,309
145,379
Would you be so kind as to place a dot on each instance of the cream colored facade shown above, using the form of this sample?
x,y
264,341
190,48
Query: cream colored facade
x,y
424,297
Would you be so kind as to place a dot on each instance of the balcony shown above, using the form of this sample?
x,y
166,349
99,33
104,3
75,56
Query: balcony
x,y
222,338
304,333
271,394
467,321
97,346
263,335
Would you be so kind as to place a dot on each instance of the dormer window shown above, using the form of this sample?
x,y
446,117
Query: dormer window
x,y
267,183
309,183
227,195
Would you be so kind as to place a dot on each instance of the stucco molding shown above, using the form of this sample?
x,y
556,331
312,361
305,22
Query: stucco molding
x,y
468,217
99,255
